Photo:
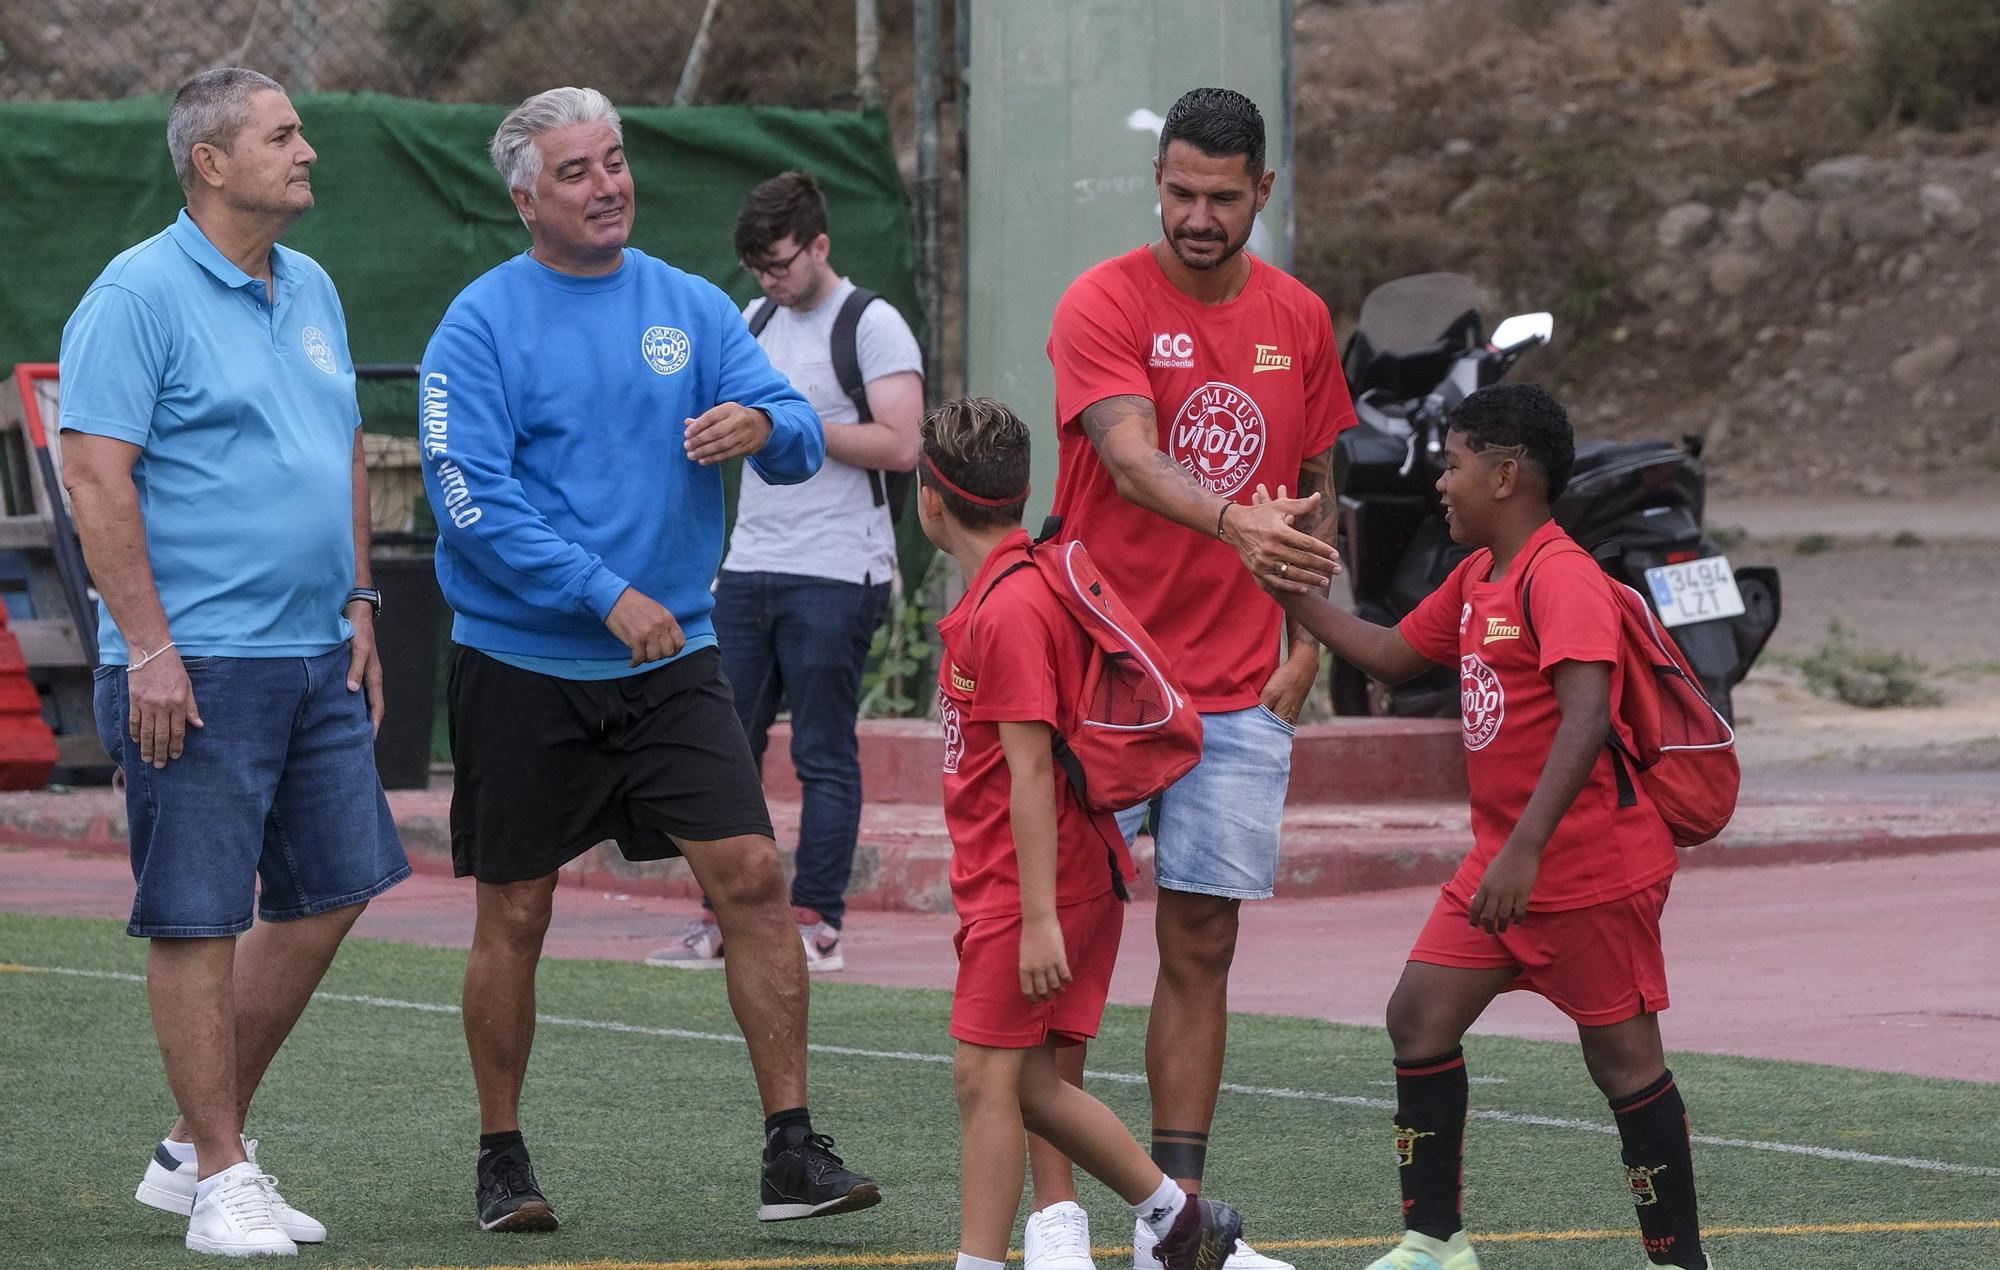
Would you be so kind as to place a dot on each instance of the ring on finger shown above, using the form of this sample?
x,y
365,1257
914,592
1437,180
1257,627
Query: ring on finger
x,y
1284,567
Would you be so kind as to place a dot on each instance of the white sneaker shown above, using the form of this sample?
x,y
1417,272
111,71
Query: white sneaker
x,y
235,1220
1244,1258
169,1186
823,955
1058,1238
698,948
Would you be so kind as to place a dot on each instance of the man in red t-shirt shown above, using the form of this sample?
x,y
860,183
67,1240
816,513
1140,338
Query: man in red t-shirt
x,y
1563,889
1035,875
1189,372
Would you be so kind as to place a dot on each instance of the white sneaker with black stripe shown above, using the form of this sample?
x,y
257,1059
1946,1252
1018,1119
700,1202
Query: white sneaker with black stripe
x,y
169,1186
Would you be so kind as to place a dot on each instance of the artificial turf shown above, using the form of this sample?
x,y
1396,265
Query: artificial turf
x,y
647,1143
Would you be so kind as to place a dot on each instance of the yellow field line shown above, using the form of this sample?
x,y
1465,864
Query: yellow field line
x,y
1281,1245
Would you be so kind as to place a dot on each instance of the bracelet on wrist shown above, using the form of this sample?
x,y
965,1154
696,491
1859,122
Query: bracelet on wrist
x,y
1222,512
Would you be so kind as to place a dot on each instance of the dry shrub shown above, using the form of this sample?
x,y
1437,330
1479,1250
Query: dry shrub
x,y
1929,61
1778,31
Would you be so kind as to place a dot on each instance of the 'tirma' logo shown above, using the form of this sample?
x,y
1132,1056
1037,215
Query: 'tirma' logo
x,y
1497,628
1269,358
665,348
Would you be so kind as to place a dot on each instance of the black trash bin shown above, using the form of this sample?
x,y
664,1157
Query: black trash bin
x,y
406,638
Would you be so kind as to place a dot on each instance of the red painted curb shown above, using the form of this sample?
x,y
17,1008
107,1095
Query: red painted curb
x,y
903,863
1373,760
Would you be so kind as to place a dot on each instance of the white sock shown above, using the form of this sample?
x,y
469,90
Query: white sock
x,y
967,1261
205,1185
1159,1209
182,1151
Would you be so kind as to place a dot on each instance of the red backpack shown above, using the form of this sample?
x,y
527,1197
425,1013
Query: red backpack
x,y
1663,728
1134,732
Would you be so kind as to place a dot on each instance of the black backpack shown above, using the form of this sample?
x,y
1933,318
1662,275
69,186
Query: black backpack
x,y
890,488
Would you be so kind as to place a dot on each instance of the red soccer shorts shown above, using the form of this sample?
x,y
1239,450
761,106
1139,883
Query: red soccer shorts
x,y
988,1006
1599,965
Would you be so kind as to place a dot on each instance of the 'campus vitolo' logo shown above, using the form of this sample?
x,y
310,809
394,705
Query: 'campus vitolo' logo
x,y
1218,436
665,348
1482,701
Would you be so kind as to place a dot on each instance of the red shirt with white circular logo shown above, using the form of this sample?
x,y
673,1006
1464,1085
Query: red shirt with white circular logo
x,y
1244,393
1600,851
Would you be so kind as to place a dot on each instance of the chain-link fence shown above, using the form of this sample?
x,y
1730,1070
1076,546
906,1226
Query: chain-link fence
x,y
771,52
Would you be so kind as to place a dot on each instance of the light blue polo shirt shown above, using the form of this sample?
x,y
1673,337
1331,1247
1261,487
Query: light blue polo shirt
x,y
244,411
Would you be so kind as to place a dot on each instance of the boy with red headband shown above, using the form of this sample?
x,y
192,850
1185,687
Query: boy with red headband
x,y
1040,912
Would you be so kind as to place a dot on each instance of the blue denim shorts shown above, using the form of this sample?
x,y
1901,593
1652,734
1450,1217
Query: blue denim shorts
x,y
280,784
1215,830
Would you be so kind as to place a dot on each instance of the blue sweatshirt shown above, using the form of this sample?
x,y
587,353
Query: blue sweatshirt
x,y
551,413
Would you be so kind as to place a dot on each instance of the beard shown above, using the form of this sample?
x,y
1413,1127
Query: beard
x,y
1205,263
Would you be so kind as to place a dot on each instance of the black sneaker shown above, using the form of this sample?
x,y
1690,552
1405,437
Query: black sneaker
x,y
509,1199
806,1179
1204,1234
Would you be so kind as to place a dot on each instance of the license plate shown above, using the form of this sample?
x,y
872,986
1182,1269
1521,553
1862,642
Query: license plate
x,y
1695,591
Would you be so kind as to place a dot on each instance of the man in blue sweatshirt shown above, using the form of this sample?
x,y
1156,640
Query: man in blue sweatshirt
x,y
576,403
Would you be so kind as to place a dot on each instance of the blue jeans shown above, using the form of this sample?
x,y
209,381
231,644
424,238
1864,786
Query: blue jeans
x,y
1215,830
279,785
805,641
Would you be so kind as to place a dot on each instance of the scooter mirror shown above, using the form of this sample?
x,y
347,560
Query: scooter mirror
x,y
1522,330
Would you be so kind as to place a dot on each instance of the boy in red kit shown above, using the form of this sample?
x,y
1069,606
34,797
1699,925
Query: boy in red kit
x,y
1563,889
1037,901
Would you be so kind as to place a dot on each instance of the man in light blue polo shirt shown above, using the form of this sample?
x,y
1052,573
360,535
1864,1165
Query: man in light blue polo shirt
x,y
213,461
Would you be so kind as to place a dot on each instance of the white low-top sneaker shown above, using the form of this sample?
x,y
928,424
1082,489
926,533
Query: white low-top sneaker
x,y
1058,1238
169,1186
1244,1258
235,1220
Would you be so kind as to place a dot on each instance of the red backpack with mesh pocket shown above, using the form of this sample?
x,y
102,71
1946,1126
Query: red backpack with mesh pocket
x,y
1663,727
1134,732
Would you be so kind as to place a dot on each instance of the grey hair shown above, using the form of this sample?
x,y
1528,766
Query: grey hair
x,y
514,152
211,109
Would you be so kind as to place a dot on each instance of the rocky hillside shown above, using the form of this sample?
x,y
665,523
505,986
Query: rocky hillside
x,y
1690,187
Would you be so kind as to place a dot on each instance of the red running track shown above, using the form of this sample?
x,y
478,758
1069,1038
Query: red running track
x,y
1884,965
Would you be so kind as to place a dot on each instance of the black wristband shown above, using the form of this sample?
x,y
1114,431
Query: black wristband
x,y
1223,511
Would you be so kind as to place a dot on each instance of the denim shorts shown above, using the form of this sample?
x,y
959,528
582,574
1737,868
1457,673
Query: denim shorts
x,y
1215,830
279,783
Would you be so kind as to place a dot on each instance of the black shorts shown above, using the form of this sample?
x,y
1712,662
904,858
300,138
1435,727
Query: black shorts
x,y
546,768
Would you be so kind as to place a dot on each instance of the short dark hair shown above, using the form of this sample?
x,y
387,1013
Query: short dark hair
x,y
1218,122
1522,417
788,203
981,446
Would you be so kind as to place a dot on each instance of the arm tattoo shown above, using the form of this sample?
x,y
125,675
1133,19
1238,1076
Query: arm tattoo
x,y
1316,477
1176,494
1100,418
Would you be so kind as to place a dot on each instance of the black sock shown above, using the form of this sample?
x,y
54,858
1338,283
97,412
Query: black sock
x,y
776,1124
1431,1094
492,1144
1659,1165
1180,1153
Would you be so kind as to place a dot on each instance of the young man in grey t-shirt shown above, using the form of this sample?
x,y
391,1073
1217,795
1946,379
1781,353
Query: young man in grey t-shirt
x,y
806,579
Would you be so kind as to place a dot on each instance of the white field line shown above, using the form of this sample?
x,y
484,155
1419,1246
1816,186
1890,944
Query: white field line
x,y
1128,1078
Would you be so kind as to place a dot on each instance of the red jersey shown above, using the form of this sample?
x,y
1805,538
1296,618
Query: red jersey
x,y
1244,392
1599,851
1012,656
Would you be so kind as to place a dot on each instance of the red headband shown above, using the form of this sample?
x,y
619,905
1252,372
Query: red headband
x,y
968,495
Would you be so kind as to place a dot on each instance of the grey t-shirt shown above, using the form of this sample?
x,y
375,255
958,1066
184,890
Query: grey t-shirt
x,y
829,526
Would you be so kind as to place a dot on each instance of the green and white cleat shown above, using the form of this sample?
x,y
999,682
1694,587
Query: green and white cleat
x,y
1421,1252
